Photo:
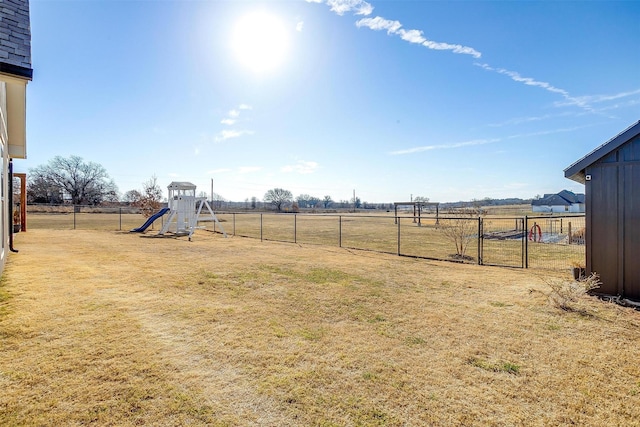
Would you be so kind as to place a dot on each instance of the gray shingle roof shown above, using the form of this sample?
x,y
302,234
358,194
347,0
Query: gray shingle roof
x,y
576,170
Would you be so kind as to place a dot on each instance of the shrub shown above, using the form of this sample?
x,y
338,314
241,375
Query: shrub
x,y
565,294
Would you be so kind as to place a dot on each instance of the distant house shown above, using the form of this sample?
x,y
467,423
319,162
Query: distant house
x,y
563,202
15,73
611,175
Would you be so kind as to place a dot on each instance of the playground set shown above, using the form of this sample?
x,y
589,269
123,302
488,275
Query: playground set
x,y
184,210
418,208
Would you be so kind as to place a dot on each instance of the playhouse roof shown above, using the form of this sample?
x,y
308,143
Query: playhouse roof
x,y
181,185
576,170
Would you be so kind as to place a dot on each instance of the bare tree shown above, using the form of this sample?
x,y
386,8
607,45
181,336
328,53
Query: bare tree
x,y
151,194
462,230
41,190
132,196
84,182
278,197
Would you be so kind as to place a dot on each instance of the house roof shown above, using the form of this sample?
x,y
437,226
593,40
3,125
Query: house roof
x,y
15,72
563,198
576,170
15,39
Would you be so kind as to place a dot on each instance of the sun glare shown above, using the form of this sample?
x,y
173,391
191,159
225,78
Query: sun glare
x,y
260,41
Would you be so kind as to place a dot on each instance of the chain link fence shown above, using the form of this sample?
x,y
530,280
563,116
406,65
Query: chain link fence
x,y
551,242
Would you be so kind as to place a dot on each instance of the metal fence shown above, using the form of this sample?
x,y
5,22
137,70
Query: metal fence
x,y
552,242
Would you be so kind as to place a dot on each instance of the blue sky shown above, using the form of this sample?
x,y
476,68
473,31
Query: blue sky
x,y
448,100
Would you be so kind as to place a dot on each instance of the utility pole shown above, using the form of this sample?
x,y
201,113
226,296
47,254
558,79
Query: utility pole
x,y
354,201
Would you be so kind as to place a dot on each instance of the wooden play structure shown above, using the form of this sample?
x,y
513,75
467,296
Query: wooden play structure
x,y
417,210
185,212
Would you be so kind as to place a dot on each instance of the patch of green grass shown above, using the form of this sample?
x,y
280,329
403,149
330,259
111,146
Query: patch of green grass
x,y
499,304
377,318
415,341
369,376
312,334
278,330
552,326
498,366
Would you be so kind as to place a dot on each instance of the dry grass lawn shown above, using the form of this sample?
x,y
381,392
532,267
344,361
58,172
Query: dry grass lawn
x,y
112,328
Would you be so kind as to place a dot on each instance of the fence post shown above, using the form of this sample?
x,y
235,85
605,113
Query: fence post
x,y
120,212
526,241
234,224
295,228
74,217
261,227
522,239
340,231
398,236
569,230
480,240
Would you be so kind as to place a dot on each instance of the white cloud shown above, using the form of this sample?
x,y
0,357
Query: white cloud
x,y
358,7
455,48
548,132
231,119
582,102
379,23
445,146
299,26
413,36
302,167
520,120
594,99
229,134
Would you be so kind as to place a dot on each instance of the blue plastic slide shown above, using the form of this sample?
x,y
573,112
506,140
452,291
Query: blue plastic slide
x,y
150,220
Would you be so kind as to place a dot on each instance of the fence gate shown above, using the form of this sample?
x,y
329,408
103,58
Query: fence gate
x,y
502,242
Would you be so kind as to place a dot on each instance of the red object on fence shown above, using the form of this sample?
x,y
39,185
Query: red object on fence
x,y
532,233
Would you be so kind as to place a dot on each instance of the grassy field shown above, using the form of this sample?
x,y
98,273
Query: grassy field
x,y
116,328
372,232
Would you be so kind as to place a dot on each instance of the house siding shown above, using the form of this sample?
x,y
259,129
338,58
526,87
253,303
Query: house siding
x,y
15,71
4,178
613,220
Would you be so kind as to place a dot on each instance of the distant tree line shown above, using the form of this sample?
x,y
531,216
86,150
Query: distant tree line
x,y
74,180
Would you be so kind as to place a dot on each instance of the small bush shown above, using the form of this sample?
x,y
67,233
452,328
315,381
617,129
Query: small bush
x,y
565,294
